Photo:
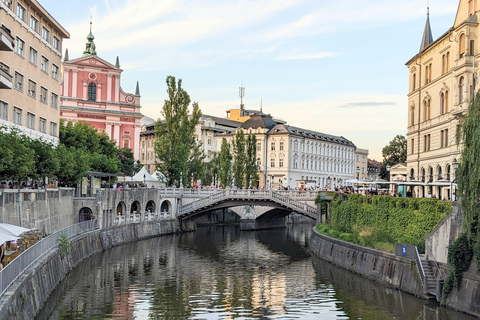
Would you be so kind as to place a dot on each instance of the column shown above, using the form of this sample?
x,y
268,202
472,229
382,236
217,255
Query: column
x,y
117,88
66,83
99,91
85,89
136,142
108,129
116,133
109,87
74,83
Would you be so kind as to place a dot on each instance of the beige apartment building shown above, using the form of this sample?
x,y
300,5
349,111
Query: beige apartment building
x,y
361,164
441,87
30,62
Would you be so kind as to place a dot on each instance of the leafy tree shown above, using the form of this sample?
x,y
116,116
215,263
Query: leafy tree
x,y
46,160
128,165
196,165
73,163
393,153
16,158
211,169
225,165
239,158
175,136
251,170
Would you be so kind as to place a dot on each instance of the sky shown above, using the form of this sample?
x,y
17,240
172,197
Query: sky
x,y
336,67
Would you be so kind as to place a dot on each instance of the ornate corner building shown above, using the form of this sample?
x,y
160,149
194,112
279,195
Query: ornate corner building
x,y
441,87
30,61
91,92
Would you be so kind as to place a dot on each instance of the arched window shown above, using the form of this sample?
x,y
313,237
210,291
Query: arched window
x,y
414,80
446,101
412,174
427,113
412,115
92,91
461,45
461,84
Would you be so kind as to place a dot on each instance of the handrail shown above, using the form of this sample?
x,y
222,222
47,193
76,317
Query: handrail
x,y
18,265
436,264
419,265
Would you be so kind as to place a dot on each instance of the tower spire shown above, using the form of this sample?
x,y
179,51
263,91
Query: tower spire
x,y
90,46
427,38
137,90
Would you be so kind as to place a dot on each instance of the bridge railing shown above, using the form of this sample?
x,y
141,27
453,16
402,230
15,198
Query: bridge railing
x,y
18,265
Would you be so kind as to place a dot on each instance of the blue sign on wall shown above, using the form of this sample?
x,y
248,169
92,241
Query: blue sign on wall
x,y
404,250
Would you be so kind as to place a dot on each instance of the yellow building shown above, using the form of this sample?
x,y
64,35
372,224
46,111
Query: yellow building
x,y
30,62
441,86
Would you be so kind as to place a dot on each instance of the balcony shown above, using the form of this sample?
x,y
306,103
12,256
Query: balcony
x,y
6,39
5,79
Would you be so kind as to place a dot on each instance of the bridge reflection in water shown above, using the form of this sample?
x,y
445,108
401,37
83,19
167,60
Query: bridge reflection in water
x,y
220,272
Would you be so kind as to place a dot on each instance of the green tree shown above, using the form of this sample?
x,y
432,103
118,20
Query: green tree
x,y
17,159
393,153
128,165
175,136
239,158
211,169
225,165
46,160
251,170
196,165
73,163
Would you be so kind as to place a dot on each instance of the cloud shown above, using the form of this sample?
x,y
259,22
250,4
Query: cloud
x,y
366,104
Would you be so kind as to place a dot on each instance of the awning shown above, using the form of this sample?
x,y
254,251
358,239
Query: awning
x,y
12,230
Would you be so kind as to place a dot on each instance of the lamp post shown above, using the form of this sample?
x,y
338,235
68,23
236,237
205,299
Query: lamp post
x,y
233,179
191,182
388,167
144,180
181,179
455,167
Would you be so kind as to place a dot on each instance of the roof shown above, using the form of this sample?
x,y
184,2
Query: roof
x,y
318,135
427,38
259,121
223,121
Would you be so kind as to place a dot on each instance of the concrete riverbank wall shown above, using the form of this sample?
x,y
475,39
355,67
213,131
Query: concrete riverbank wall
x,y
385,268
27,295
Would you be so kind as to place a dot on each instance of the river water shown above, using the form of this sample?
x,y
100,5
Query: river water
x,y
224,273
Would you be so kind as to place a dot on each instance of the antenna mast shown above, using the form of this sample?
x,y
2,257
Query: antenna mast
x,y
241,93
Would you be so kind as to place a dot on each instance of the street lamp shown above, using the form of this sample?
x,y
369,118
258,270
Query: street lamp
x,y
181,179
144,180
192,180
233,179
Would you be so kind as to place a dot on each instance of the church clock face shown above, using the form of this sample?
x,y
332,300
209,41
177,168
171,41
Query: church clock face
x,y
92,76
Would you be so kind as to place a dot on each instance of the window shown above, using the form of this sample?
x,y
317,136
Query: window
x,y
412,115
42,125
272,146
412,146
259,146
426,114
8,3
33,56
472,47
30,120
4,67
281,145
461,45
21,12
446,102
32,89
43,94
460,89
445,136
259,162
56,43
44,65
45,34
18,81
272,163
3,110
34,24
126,143
280,163
20,47
426,142
414,82
17,115
92,91
54,71
53,129
54,100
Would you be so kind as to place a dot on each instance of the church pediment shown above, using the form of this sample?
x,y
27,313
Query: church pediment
x,y
92,61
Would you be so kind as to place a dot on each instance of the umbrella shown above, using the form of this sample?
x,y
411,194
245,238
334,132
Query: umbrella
x,y
12,230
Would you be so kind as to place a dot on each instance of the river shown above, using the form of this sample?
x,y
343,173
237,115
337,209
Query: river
x,y
224,273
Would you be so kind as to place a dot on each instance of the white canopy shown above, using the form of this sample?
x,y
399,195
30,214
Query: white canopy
x,y
5,237
12,230
142,176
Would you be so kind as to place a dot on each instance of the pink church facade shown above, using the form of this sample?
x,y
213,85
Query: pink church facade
x,y
91,92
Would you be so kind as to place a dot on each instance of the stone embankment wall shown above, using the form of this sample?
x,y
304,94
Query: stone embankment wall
x,y
385,268
25,298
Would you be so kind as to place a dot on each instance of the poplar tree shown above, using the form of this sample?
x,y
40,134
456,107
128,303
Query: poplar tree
x,y
175,136
239,158
251,170
225,165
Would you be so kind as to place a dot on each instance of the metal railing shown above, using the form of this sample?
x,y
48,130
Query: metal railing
x,y
18,265
418,262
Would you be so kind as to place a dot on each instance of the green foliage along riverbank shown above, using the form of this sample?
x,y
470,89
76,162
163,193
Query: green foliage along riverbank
x,y
405,220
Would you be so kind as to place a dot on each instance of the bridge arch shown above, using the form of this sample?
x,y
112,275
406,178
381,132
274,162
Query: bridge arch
x,y
85,214
166,206
121,208
135,207
150,207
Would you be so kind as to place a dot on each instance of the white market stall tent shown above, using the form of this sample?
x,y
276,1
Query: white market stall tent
x,y
143,177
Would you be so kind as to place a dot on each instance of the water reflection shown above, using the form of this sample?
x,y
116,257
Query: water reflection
x,y
223,273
